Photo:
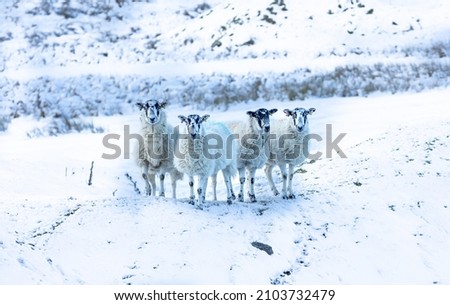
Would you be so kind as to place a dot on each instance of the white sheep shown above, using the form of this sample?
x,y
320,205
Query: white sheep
x,y
252,153
203,150
288,148
157,148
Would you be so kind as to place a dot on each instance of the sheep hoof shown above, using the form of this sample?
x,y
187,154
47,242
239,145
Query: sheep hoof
x,y
233,196
162,194
241,198
285,197
229,201
148,191
191,201
200,201
291,196
252,197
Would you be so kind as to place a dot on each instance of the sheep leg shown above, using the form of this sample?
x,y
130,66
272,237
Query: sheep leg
x,y
173,180
191,189
145,176
151,178
214,186
251,183
291,175
241,181
227,179
268,170
202,183
148,188
161,185
284,176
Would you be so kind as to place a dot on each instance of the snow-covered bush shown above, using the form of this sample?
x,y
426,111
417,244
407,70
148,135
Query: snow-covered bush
x,y
61,124
72,8
93,95
4,121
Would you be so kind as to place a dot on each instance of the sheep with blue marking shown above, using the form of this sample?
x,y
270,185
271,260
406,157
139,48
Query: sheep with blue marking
x,y
289,148
204,149
156,153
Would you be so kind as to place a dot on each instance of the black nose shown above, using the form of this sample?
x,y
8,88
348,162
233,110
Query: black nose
x,y
266,128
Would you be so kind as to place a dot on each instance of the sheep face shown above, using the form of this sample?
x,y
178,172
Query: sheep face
x,y
194,124
299,117
262,118
152,110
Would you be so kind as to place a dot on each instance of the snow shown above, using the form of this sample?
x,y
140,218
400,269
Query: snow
x,y
124,33
379,216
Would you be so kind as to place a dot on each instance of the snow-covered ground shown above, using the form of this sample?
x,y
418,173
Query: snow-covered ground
x,y
378,216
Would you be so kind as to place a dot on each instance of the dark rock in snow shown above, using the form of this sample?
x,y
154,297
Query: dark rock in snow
x,y
263,247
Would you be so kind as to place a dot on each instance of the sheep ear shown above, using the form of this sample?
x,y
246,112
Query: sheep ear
x,y
182,118
140,106
204,118
250,113
272,111
287,112
162,105
311,110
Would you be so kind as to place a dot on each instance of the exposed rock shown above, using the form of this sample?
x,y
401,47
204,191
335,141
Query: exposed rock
x,y
263,247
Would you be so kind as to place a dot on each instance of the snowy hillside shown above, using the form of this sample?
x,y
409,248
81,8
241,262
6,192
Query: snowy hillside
x,y
62,34
379,216
376,70
97,57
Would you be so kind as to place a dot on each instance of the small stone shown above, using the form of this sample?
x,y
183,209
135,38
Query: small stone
x,y
263,247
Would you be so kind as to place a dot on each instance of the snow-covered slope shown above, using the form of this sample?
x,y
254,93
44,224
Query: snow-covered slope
x,y
378,216
192,31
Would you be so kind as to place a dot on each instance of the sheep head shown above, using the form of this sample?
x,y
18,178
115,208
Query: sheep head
x,y
152,110
262,118
194,124
299,117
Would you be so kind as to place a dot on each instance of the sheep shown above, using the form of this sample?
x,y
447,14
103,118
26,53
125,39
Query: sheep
x,y
252,149
157,150
195,157
289,148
